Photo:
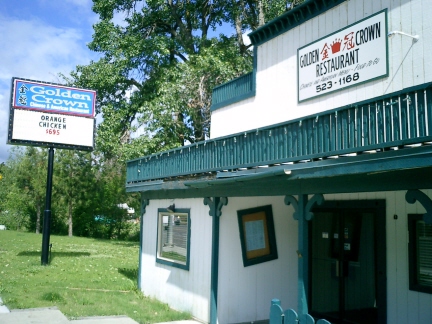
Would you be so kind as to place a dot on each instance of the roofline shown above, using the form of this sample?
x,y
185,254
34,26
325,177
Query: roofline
x,y
291,19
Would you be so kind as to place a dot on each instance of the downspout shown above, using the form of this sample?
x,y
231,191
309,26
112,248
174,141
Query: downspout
x,y
215,205
144,204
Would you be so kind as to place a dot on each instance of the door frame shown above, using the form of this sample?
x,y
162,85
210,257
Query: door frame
x,y
379,206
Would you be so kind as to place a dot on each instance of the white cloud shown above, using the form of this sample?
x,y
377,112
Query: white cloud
x,y
35,50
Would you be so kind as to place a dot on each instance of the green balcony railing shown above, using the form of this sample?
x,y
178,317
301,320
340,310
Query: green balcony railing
x,y
394,120
233,91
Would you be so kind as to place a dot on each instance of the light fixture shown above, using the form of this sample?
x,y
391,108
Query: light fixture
x,y
394,32
171,208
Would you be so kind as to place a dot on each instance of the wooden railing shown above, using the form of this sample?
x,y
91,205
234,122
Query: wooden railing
x,y
233,91
392,121
289,316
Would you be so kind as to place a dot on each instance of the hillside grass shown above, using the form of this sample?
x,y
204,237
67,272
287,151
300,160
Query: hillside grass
x,y
85,277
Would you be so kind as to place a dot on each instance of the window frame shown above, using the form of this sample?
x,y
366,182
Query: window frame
x,y
413,255
167,261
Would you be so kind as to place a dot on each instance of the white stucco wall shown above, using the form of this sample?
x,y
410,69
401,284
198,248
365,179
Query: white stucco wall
x,y
276,80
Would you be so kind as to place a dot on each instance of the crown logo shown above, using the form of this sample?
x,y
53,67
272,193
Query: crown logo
x,y
336,46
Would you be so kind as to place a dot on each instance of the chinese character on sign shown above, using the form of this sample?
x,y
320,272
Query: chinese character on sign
x,y
336,45
23,89
22,100
324,51
348,41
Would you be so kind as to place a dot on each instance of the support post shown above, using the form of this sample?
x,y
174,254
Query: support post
x,y
303,214
215,205
303,261
47,212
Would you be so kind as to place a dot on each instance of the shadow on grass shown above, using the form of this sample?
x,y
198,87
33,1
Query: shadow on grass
x,y
54,254
132,274
127,244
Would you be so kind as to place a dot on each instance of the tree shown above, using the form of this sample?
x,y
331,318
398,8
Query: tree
x,y
159,66
73,182
24,186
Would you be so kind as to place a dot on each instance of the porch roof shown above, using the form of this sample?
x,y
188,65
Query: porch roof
x,y
375,145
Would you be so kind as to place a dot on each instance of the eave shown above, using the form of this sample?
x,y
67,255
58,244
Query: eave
x,y
409,168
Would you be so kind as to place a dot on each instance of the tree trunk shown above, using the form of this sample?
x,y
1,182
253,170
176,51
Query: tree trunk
x,y
38,217
70,219
261,15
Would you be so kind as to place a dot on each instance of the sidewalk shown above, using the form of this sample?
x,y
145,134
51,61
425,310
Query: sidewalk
x,y
52,315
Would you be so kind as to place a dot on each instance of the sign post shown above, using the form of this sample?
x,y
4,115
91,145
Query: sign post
x,y
47,212
54,116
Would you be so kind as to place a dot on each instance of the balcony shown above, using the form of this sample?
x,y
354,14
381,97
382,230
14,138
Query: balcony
x,y
391,122
233,91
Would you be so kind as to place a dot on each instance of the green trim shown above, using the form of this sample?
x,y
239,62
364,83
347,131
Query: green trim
x,y
416,195
215,212
303,214
413,246
173,263
401,169
234,91
241,88
291,19
374,124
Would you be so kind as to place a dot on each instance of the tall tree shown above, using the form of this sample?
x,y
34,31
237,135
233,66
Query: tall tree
x,y
159,65
24,183
73,181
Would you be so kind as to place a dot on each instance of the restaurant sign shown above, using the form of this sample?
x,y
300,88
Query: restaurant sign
x,y
51,115
348,57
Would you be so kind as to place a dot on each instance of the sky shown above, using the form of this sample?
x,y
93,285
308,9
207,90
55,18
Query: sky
x,y
40,39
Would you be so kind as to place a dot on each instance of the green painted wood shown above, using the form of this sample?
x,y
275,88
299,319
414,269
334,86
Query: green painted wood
x,y
377,124
215,205
233,91
291,316
349,174
276,312
303,214
416,195
292,18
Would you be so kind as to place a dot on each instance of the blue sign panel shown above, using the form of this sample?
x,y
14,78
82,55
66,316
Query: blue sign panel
x,y
45,97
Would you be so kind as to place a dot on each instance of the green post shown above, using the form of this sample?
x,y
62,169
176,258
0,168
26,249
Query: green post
x,y
303,257
215,205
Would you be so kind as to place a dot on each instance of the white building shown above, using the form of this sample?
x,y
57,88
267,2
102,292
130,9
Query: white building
x,y
315,187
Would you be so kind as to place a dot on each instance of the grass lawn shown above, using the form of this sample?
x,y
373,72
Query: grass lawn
x,y
86,277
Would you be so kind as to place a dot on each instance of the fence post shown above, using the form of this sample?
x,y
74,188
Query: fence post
x,y
276,312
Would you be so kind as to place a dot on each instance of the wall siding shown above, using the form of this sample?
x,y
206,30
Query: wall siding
x,y
183,290
244,293
276,83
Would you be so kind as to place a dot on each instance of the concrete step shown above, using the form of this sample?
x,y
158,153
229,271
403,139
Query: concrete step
x,y
34,316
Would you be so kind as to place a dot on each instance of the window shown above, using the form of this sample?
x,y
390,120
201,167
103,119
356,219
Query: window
x,y
420,254
173,239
